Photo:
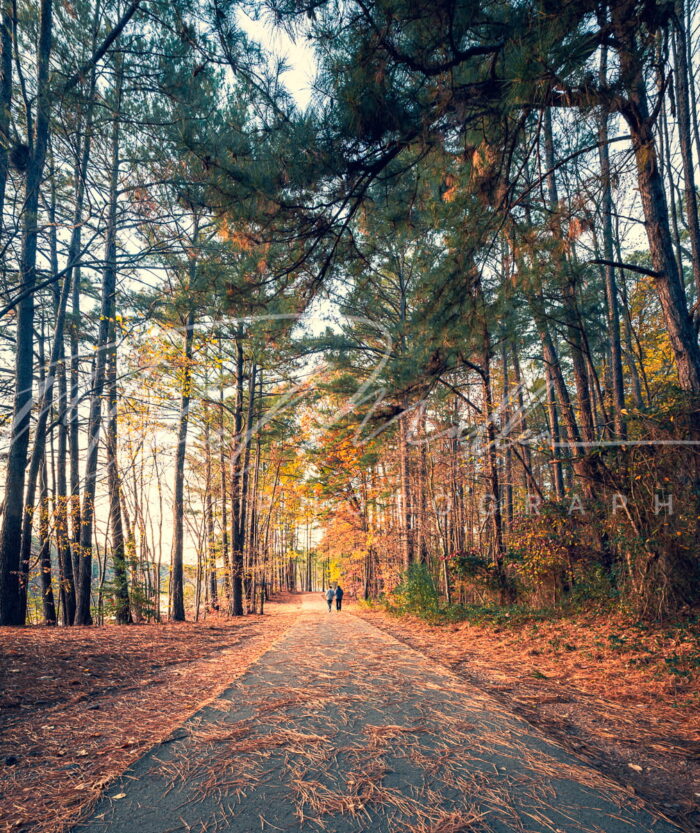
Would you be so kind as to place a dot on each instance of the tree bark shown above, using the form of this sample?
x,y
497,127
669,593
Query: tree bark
x,y
73,275
177,612
36,461
209,513
405,476
224,499
569,296
47,597
508,454
122,610
239,482
553,419
685,141
107,307
6,29
612,307
669,285
11,609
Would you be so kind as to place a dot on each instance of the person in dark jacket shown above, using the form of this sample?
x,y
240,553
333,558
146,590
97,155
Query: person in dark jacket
x,y
338,597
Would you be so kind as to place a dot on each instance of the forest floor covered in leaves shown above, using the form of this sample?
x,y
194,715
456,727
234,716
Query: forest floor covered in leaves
x,y
78,705
623,696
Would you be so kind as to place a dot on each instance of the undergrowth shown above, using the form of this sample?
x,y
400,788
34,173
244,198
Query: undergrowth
x,y
418,595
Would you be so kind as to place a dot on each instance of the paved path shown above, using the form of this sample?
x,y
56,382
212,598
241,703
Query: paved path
x,y
341,728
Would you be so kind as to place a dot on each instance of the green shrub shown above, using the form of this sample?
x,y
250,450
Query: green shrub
x,y
417,593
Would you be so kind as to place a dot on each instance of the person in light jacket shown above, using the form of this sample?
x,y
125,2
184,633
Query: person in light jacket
x,y
329,594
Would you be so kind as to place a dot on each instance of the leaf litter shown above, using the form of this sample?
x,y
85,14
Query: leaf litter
x,y
439,769
611,691
74,726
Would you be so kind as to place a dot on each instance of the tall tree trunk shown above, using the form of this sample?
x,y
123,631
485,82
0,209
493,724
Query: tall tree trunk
x,y
224,498
405,483
47,598
74,428
553,419
73,277
506,416
177,612
245,478
61,498
236,488
11,609
122,611
66,583
407,542
630,354
456,482
683,109
141,584
36,461
63,546
613,314
107,307
493,488
6,29
572,317
253,542
422,548
209,513
669,285
521,422
666,152
691,55
494,491
242,468
581,464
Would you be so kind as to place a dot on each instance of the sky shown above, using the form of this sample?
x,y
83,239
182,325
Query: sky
x,y
297,53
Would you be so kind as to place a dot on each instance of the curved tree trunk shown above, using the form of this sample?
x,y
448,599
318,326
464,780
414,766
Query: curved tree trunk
x,y
668,280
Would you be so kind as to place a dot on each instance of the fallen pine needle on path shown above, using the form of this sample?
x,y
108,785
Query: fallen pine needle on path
x,y
340,727
596,683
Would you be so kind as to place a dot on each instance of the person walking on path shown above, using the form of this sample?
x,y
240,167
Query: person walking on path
x,y
338,597
329,598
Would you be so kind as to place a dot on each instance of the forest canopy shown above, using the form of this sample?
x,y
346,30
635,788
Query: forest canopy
x,y
430,329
